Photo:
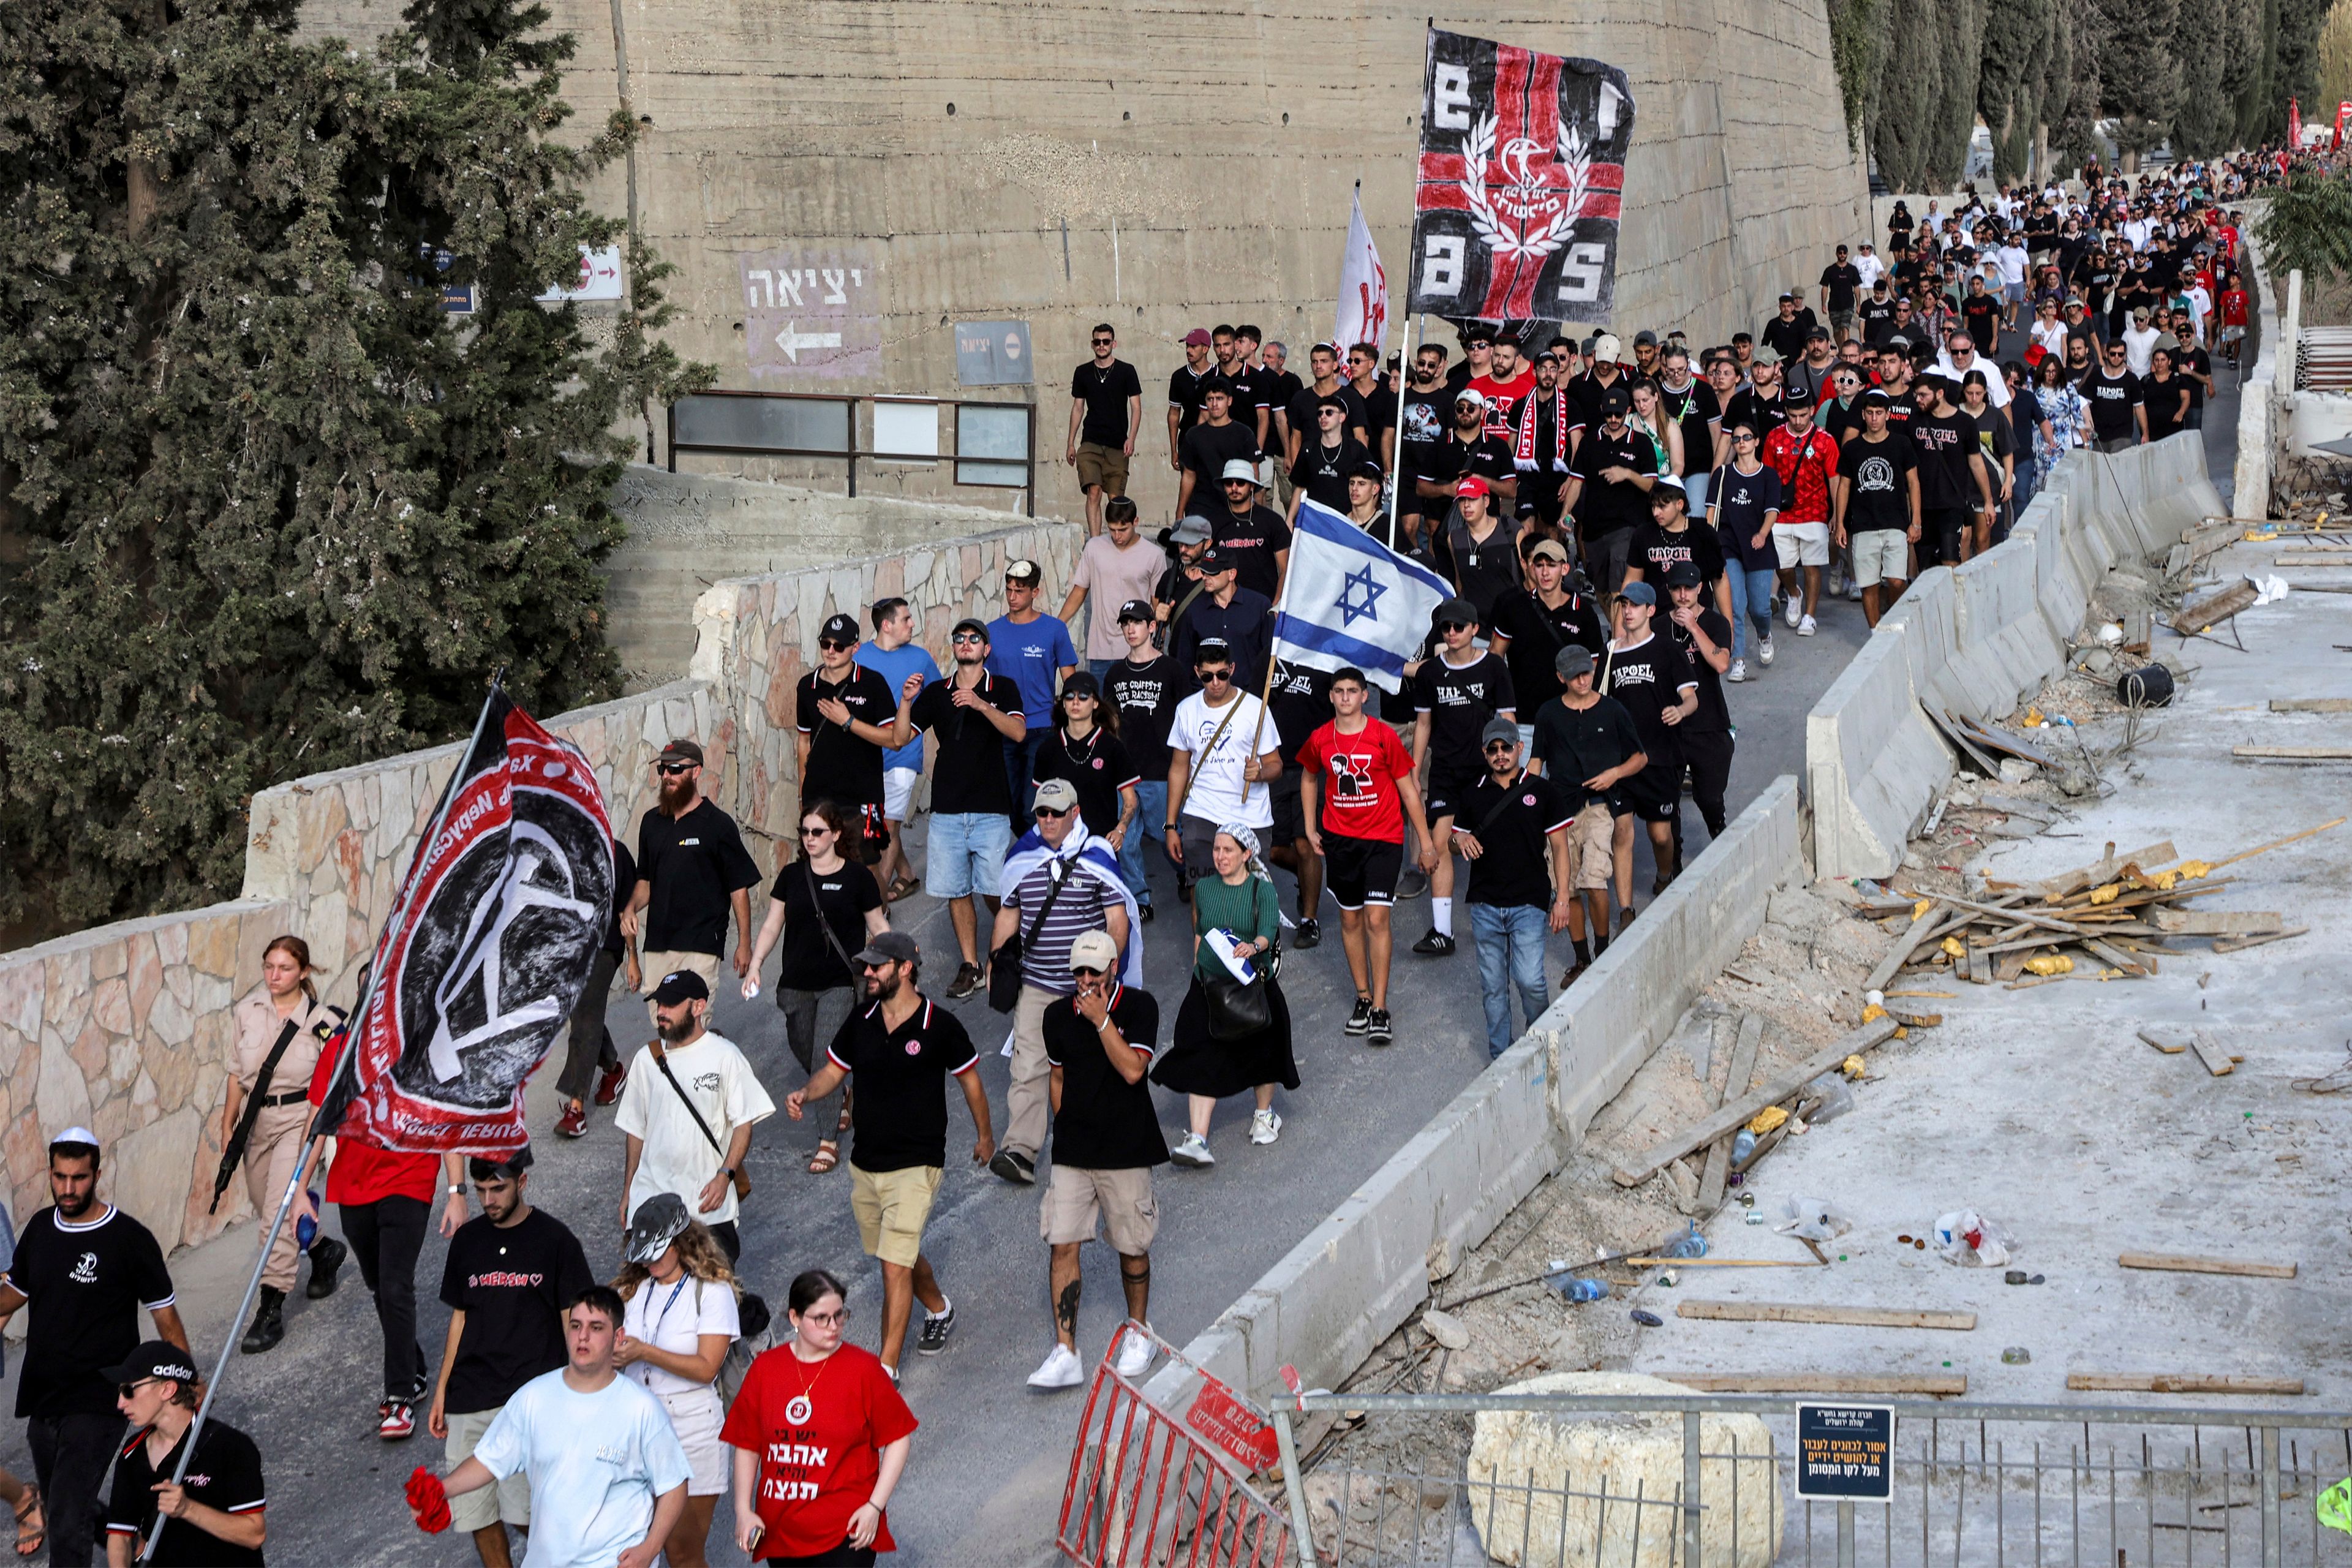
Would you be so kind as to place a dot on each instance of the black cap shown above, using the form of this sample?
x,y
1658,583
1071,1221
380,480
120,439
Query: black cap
x,y
1458,611
491,1167
156,1358
680,985
889,947
1213,560
969,624
1616,400
1684,575
1136,610
681,751
838,628
1081,683
1331,400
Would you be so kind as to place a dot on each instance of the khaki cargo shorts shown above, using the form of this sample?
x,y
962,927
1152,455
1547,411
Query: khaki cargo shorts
x,y
1122,1199
892,1207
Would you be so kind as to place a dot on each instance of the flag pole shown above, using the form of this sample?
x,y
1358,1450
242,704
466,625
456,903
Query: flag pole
x,y
1411,261
313,1135
1266,693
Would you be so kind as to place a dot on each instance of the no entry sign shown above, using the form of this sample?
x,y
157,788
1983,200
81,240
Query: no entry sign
x,y
1846,1451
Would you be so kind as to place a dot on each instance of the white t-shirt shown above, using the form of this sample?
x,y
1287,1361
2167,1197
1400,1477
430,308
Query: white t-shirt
x,y
674,1317
2012,259
1217,794
596,1463
677,1157
1111,576
2139,346
2050,335
1870,269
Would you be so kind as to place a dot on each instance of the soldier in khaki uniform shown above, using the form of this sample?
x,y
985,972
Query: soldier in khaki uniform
x,y
284,1001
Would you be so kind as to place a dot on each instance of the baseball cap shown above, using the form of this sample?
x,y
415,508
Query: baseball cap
x,y
1821,334
1023,572
1081,683
1606,346
1470,395
969,624
1333,401
1093,950
1457,610
494,1167
1638,593
156,1358
1547,550
1571,661
1765,354
1645,338
1191,529
658,1221
1057,795
838,628
1136,610
889,947
680,985
681,751
1240,468
1616,400
1684,575
1471,485
1197,337
1213,560
1498,730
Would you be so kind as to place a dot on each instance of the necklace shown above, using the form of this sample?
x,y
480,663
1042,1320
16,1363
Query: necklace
x,y
801,1407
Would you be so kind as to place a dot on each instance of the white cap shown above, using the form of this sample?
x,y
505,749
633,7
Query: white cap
x,y
1093,950
1606,346
1240,468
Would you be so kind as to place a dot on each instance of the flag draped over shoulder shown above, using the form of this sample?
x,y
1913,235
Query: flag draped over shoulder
x,y
1351,600
1521,181
1089,856
505,910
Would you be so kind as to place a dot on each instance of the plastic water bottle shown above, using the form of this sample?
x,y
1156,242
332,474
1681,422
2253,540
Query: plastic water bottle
x,y
1578,1288
1742,1146
1690,1243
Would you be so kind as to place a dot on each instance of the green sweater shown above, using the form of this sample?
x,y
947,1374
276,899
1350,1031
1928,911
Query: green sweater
x,y
1249,912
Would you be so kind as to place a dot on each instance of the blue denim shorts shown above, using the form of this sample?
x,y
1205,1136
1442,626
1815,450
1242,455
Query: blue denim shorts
x,y
966,854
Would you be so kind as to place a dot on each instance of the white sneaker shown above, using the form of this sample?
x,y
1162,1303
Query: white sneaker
x,y
1796,609
1837,584
1135,1354
1854,593
1764,651
1060,1369
1738,669
1805,627
1194,1152
1266,1126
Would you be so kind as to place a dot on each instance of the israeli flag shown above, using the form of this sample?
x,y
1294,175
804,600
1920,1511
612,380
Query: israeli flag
x,y
1351,600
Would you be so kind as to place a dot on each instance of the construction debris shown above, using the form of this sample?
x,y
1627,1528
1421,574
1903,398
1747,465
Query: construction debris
x,y
2179,1382
2186,1263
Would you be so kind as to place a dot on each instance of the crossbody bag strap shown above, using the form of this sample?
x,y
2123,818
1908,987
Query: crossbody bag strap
x,y
1061,876
1192,774
817,903
661,1060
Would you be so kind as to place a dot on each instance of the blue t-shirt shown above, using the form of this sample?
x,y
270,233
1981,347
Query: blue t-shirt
x,y
1033,658
894,665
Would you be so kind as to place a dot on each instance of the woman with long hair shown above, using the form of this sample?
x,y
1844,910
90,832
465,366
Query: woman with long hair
x,y
280,1026
679,1316
824,905
2064,415
1240,901
1085,749
821,1438
1999,456
1649,416
2164,393
2027,430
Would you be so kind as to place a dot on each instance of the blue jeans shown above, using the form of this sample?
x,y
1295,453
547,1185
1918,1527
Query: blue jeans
x,y
1100,668
1750,591
1020,758
1510,939
1150,815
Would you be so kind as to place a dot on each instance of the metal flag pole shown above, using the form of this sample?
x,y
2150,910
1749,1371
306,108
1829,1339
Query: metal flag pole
x,y
312,1136
1411,261
1265,694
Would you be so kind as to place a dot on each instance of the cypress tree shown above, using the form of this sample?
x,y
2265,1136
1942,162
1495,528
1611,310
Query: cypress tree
x,y
2203,39
2018,42
2140,74
263,507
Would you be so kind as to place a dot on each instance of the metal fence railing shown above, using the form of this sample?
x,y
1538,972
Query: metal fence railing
x,y
1709,1481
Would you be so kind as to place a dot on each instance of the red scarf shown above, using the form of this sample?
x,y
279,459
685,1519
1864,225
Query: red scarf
x,y
1526,447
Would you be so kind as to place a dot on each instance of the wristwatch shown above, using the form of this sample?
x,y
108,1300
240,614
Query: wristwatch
x,y
456,1189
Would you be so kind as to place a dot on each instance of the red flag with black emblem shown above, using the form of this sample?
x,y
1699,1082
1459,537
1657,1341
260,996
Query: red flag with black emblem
x,y
1522,179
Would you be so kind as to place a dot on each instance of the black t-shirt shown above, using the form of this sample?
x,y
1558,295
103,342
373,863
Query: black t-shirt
x,y
625,887
1280,391
1300,410
1421,449
2165,412
844,894
1375,410
1106,1123
1459,703
1943,443
87,1285
1206,448
1185,390
1483,570
1844,280
1322,472
968,773
1146,695
1762,415
1607,506
1657,553
1489,458
1537,632
1575,744
2194,363
1692,408
899,1116
1648,678
1739,501
1104,393
1514,866
1252,540
843,768
1785,337
1713,716
1877,318
1981,312
1299,702
695,863
1097,768
1587,393
1879,496
224,1473
511,1282
2111,400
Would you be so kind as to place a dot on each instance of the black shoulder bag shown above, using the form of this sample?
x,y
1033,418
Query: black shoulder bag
x,y
816,901
238,1140
1004,964
1239,1008
661,1060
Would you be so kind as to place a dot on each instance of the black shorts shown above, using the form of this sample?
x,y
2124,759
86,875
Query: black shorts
x,y
1447,793
1361,871
1654,795
1289,822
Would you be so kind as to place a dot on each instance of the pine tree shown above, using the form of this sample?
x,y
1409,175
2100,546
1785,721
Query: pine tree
x,y
263,507
2140,74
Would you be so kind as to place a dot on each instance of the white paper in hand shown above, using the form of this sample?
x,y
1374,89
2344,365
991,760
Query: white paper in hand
x,y
1220,943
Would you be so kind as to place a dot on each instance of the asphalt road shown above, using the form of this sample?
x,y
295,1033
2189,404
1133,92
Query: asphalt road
x,y
985,1482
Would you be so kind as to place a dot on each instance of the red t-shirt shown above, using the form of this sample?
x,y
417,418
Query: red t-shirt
x,y
1358,773
2234,307
1503,398
363,1172
819,1432
1804,473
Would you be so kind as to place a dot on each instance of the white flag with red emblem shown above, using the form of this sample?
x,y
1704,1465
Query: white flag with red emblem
x,y
1364,314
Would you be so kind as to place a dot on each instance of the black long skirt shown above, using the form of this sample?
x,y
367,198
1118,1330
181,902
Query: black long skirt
x,y
1198,1063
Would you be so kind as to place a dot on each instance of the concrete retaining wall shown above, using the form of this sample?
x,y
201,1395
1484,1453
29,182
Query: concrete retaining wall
x,y
1977,640
1358,1275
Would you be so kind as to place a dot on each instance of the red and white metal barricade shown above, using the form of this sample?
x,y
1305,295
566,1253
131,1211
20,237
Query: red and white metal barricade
x,y
1165,1482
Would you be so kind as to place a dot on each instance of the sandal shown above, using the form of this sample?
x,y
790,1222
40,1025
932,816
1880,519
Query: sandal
x,y
827,1155
901,886
34,1533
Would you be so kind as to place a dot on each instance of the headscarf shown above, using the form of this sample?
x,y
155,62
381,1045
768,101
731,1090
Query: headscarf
x,y
1247,836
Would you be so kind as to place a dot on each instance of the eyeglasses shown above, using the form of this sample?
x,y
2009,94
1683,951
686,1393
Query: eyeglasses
x,y
825,1320
817,832
671,770
1207,676
835,645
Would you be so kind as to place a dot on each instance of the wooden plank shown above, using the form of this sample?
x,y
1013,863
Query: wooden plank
x,y
1736,1112
1951,728
2240,944
2294,753
2190,1263
1735,1084
1802,1313
1730,1262
2172,1042
2216,922
2311,704
2277,843
2214,608
2218,1062
2293,558
1896,955
2113,958
1817,1382
2179,1382
2103,871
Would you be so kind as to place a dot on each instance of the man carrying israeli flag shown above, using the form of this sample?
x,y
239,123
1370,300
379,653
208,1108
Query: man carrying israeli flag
x,y
1352,601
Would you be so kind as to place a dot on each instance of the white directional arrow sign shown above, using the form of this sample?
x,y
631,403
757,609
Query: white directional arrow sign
x,y
791,341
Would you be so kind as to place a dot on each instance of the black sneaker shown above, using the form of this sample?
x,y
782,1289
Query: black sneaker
x,y
1380,1034
966,981
1436,944
1308,933
1144,911
1413,884
327,1257
936,1332
1014,1167
1361,1018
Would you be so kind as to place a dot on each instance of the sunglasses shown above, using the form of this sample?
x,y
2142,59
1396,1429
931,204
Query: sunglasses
x,y
972,638
1043,811
125,1390
1092,974
1497,747
818,832
1448,628
671,770
1206,676
834,645
872,969
1102,342
1743,436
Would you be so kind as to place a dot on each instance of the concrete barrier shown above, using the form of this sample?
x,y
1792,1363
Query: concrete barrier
x,y
1353,1279
2258,394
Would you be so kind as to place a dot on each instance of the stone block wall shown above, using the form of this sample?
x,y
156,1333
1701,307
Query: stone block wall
x,y
125,1030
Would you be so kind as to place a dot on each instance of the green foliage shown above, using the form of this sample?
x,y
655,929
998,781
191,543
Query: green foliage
x,y
1927,92
2309,226
2140,73
2019,47
2205,121
1858,51
264,508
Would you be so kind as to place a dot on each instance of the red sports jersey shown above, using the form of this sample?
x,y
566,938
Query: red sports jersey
x,y
819,1431
2233,307
1358,773
1804,469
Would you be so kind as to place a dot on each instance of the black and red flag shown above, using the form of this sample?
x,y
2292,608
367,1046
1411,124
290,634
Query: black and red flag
x,y
1522,179
486,951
